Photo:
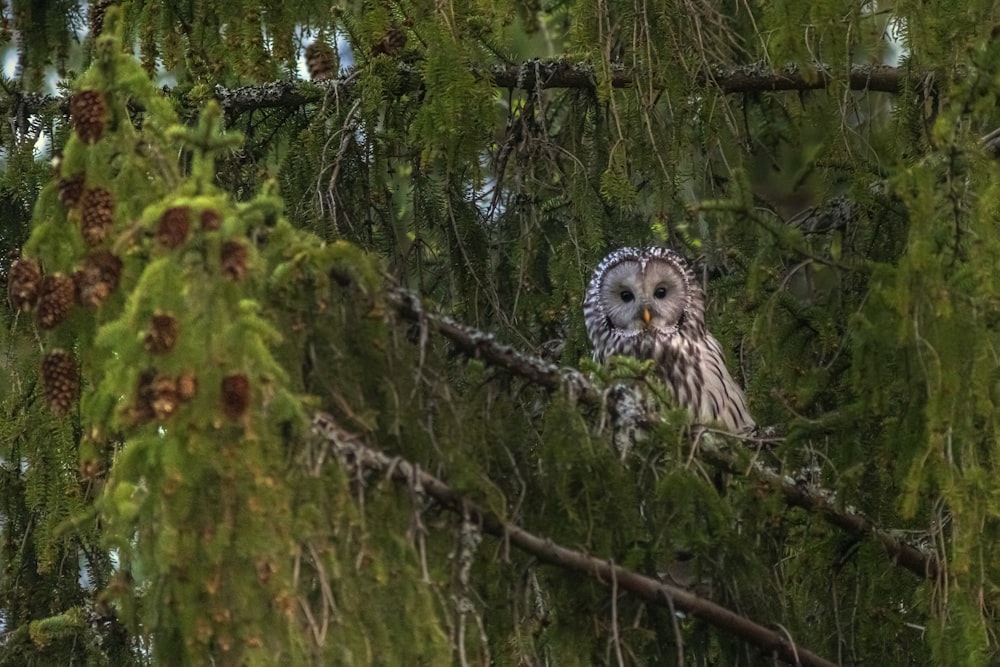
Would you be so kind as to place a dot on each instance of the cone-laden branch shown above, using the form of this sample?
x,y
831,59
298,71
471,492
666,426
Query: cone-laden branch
x,y
711,449
349,449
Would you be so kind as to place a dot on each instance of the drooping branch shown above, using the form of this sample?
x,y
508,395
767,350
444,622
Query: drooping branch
x,y
712,449
819,501
532,75
349,449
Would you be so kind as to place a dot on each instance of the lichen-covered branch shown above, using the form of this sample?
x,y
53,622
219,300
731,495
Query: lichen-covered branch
x,y
819,501
480,345
712,449
349,449
550,74
757,77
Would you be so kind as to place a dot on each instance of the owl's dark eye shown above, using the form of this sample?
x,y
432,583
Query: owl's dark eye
x,y
660,293
627,296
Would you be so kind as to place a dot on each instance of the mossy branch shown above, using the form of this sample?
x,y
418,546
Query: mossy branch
x,y
818,500
349,449
711,448
532,75
480,345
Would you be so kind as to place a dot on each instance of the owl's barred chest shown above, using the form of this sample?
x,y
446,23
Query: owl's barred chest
x,y
693,367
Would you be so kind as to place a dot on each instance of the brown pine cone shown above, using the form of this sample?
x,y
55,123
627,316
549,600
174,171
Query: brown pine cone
x,y
392,43
174,226
211,220
156,397
163,396
97,11
162,333
97,278
97,215
322,61
234,260
235,395
56,298
24,283
70,190
60,381
88,113
187,385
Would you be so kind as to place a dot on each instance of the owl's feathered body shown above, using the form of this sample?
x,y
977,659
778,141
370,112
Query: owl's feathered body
x,y
646,303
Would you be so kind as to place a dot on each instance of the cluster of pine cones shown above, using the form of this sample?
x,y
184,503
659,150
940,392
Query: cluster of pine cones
x,y
51,297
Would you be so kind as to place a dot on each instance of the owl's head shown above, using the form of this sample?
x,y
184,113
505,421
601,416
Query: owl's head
x,y
642,292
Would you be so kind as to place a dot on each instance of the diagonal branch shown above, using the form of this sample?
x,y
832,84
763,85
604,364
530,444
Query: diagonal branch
x,y
820,501
480,345
712,449
349,449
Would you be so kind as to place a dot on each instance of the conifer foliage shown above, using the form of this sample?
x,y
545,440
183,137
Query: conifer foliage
x,y
297,368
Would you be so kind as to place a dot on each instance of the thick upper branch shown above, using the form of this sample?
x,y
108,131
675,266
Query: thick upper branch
x,y
757,77
349,448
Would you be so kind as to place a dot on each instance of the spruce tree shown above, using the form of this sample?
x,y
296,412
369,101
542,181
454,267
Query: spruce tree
x,y
294,366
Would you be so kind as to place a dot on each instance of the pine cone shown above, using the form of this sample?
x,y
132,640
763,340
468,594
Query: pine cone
x,y
392,43
211,220
24,282
97,215
162,333
141,411
156,397
322,61
235,395
234,260
88,113
187,386
55,300
70,190
97,278
97,11
163,396
174,227
60,381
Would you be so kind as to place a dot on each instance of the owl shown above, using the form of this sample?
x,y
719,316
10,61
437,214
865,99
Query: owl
x,y
646,303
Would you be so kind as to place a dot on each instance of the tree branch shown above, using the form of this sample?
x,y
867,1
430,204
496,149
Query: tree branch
x,y
756,77
820,501
349,449
476,344
710,448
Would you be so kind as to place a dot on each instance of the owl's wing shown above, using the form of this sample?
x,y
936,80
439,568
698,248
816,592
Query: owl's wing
x,y
722,399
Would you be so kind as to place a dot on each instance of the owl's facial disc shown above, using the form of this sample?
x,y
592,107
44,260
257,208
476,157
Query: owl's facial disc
x,y
641,297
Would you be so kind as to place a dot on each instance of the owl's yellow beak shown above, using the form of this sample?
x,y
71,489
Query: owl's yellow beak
x,y
646,315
